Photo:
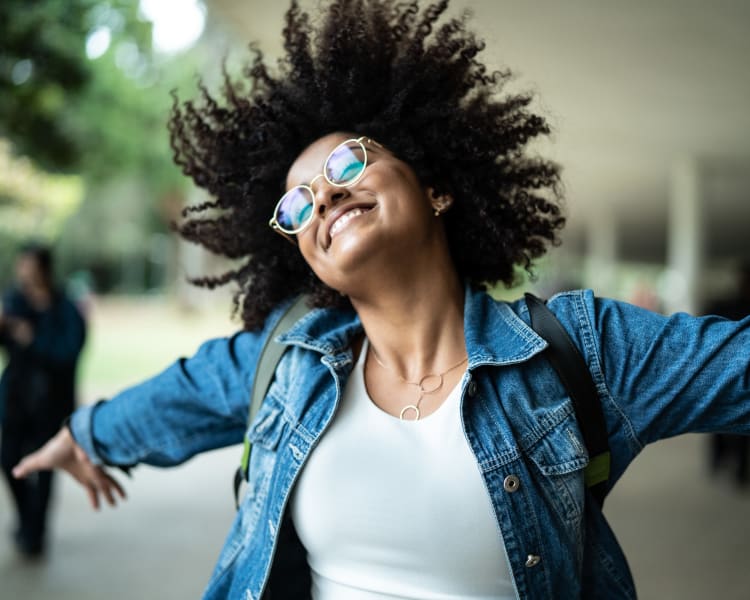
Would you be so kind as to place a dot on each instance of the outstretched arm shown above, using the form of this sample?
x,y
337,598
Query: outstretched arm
x,y
659,376
196,404
62,452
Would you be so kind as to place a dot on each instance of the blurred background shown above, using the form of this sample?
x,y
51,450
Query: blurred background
x,y
650,105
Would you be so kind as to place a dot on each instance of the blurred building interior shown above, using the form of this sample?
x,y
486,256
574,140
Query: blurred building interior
x,y
650,104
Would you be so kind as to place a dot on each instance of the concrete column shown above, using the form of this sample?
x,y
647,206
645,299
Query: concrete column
x,y
601,256
686,238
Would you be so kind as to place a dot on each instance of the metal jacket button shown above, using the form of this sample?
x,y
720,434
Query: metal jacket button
x,y
511,483
532,560
472,389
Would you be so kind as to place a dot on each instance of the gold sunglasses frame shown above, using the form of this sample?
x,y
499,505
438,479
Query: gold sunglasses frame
x,y
274,224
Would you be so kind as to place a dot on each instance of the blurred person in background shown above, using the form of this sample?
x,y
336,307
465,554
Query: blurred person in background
x,y
414,442
731,453
43,333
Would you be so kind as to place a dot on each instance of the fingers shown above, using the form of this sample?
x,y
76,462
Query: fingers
x,y
30,464
93,496
99,484
102,485
36,461
118,488
62,452
108,487
54,454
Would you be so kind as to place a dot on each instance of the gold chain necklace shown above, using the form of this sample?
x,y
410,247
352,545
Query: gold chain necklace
x,y
429,384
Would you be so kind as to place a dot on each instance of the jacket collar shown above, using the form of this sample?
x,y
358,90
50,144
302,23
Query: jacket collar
x,y
496,333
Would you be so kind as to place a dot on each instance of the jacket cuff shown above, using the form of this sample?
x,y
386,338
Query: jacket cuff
x,y
81,426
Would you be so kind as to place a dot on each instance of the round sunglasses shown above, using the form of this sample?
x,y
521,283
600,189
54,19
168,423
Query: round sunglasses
x,y
344,166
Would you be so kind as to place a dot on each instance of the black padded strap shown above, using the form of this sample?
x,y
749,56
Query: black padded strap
x,y
575,375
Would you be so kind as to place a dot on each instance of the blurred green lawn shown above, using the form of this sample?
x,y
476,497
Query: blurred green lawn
x,y
131,338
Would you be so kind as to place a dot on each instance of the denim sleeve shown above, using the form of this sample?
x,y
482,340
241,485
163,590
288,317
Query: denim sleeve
x,y
196,404
661,376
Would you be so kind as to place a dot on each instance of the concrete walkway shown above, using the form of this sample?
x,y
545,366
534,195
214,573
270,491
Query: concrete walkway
x,y
687,535
160,544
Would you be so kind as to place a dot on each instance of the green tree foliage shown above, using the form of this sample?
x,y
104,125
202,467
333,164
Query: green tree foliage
x,y
44,71
98,116
82,92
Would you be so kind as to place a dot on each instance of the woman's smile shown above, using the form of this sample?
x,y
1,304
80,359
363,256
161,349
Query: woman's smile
x,y
341,220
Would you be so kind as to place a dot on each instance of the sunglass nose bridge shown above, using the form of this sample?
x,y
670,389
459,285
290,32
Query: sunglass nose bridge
x,y
314,179
344,166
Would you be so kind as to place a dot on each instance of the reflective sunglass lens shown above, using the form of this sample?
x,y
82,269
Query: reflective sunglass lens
x,y
295,209
346,163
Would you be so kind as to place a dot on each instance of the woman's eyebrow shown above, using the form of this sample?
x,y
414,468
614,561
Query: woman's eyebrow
x,y
377,149
299,181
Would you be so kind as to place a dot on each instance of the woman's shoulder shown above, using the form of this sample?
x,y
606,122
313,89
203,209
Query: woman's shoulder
x,y
566,305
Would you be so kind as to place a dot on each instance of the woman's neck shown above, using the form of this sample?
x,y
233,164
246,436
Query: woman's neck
x,y
417,326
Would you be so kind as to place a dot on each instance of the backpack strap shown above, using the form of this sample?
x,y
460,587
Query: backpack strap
x,y
575,375
269,358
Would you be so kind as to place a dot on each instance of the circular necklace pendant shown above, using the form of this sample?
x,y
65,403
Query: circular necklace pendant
x,y
431,383
406,409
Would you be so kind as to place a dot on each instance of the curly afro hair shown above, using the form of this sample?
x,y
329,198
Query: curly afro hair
x,y
387,70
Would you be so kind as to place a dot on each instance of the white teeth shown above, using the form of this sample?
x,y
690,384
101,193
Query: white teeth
x,y
339,224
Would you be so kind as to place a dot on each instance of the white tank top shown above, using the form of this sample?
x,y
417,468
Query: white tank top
x,y
391,509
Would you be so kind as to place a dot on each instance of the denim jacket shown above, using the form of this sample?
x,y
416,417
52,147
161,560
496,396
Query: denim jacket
x,y
656,377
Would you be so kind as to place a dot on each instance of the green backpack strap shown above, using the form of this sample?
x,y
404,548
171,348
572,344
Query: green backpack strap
x,y
269,358
572,370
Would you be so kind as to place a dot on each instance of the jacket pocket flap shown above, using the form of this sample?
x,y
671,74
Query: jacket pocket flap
x,y
268,426
560,450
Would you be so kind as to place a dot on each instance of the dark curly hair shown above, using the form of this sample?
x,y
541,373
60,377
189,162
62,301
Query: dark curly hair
x,y
386,70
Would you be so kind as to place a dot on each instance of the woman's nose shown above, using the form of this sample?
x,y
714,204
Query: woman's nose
x,y
327,196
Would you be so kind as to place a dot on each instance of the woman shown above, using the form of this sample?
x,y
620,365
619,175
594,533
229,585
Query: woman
x,y
43,333
413,442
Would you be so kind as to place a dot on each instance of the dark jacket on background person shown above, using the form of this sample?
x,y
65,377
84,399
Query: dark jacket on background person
x,y
38,382
37,392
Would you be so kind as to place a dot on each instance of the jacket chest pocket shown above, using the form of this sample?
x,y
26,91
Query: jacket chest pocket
x,y
265,434
560,458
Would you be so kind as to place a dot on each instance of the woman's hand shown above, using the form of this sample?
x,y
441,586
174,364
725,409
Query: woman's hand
x,y
61,452
22,332
19,330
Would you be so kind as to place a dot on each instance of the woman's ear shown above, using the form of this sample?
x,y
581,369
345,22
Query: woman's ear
x,y
439,202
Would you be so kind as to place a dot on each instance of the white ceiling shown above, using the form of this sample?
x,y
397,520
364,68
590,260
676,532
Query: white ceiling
x,y
630,88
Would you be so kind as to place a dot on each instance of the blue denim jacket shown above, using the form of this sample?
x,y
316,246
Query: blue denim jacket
x,y
656,377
